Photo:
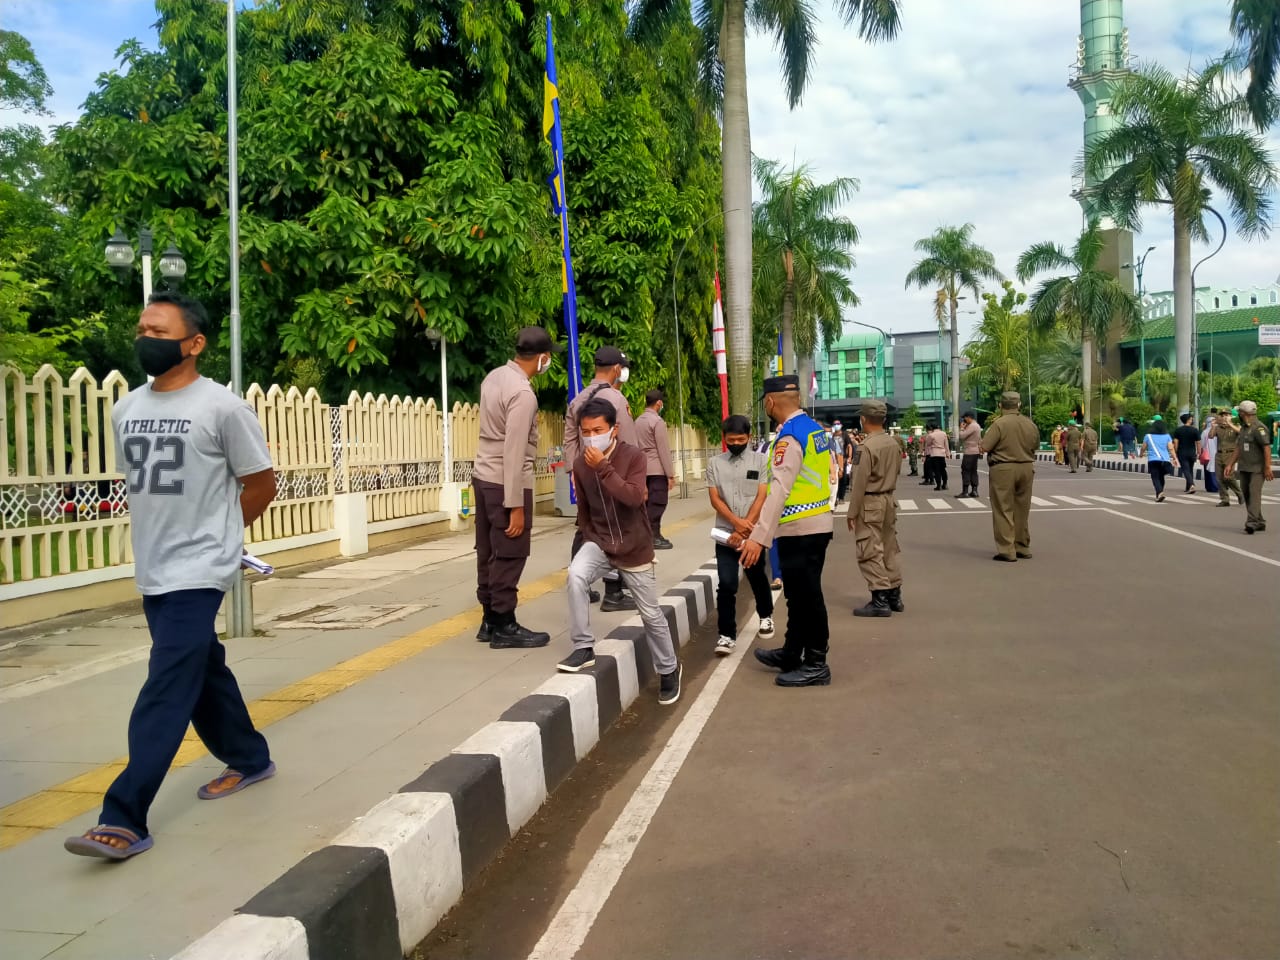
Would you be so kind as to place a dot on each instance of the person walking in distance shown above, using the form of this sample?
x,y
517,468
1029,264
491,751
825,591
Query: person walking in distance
x,y
1011,443
873,513
651,431
798,509
1208,452
1227,435
502,479
1057,439
848,446
1071,443
198,472
1157,445
1252,460
612,369
937,446
1127,434
609,475
1088,446
913,454
1186,447
737,485
971,451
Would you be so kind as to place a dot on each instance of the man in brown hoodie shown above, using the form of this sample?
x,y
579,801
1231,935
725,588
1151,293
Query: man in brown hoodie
x,y
609,477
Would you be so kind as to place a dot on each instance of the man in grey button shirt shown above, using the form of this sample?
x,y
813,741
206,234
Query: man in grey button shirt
x,y
198,472
737,483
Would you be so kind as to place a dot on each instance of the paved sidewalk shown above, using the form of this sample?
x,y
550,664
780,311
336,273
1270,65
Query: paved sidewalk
x,y
364,673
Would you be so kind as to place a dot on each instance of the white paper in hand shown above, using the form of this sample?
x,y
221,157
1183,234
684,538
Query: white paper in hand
x,y
250,562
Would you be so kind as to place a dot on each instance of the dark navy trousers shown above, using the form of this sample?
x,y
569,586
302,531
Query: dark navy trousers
x,y
188,681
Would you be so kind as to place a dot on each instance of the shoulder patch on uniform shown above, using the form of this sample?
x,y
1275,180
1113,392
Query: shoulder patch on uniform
x,y
779,452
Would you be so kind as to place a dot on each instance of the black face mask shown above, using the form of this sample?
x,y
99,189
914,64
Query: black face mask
x,y
156,355
737,449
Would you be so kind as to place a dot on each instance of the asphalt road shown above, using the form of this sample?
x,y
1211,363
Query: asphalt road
x,y
1072,756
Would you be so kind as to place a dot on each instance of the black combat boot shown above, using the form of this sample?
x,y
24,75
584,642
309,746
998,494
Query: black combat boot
x,y
878,606
777,658
894,597
485,633
814,672
508,634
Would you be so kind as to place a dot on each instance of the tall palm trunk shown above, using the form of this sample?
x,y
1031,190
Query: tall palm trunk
x,y
789,355
1182,309
1086,373
955,368
736,166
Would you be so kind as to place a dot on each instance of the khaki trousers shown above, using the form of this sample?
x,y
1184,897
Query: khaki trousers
x,y
1073,458
877,542
1225,485
1251,485
1010,487
1088,458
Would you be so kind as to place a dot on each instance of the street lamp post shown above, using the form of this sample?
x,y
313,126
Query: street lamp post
x,y
675,311
1142,322
119,256
1195,337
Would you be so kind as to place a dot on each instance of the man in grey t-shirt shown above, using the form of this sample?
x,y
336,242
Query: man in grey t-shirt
x,y
197,472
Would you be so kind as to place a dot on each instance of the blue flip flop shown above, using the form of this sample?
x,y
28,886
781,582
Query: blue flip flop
x,y
205,793
85,846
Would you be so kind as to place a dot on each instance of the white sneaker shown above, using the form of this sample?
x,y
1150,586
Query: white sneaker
x,y
766,628
724,646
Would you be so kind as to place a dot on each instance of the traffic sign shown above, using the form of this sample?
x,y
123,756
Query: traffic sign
x,y
1269,335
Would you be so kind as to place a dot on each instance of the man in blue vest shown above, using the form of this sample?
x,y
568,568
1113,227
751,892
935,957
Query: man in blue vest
x,y
797,511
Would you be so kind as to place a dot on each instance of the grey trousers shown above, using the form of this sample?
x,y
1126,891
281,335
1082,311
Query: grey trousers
x,y
587,567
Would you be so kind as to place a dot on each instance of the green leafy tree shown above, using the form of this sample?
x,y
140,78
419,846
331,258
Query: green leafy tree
x,y
1085,301
722,48
911,418
1255,24
999,350
952,263
802,258
1177,140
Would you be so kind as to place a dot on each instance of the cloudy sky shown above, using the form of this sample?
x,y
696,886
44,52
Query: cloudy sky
x,y
967,117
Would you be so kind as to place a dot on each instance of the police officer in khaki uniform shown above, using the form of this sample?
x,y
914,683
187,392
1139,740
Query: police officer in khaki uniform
x,y
873,513
1252,458
1089,446
1071,442
503,482
1011,443
1226,433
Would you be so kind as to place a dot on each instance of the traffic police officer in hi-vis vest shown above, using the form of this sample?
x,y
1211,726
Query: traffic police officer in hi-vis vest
x,y
797,511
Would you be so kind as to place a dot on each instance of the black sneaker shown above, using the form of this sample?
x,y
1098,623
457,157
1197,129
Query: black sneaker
x,y
580,659
669,686
511,635
662,543
613,602
485,633
593,596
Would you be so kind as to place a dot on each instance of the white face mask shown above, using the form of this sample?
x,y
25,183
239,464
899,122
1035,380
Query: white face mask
x,y
624,375
544,363
601,442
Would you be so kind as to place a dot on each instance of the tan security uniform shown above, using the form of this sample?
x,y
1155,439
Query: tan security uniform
x,y
1227,435
876,464
1011,442
1251,461
1090,447
1072,444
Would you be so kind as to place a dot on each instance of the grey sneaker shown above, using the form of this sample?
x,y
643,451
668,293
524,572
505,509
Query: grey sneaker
x,y
578,660
724,646
669,686
766,628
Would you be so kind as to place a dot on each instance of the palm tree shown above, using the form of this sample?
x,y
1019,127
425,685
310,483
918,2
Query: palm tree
x,y
1256,26
999,348
723,25
1085,302
1057,367
952,263
1175,140
801,253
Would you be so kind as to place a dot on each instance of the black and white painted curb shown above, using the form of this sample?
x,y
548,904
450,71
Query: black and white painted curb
x,y
384,883
1132,465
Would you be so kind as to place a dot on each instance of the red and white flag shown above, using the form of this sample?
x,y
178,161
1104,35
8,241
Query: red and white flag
x,y
813,384
718,348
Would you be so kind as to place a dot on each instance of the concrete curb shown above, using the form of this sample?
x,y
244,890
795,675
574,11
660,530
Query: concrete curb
x,y
384,883
1133,465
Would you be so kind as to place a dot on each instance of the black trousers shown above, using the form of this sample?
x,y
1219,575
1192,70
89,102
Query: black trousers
x,y
802,559
188,681
727,567
656,505
1158,470
969,472
936,470
500,559
1187,466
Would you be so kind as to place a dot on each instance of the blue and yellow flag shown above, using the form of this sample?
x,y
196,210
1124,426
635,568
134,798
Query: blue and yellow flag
x,y
551,131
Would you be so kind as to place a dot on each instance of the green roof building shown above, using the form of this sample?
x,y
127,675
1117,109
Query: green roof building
x,y
1227,322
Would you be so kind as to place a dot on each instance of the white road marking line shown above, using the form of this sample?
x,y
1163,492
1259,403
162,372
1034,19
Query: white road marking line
x,y
907,505
974,504
1041,502
1128,496
1094,496
573,921
1071,500
939,504
1193,536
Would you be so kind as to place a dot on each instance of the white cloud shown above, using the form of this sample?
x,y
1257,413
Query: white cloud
x,y
967,117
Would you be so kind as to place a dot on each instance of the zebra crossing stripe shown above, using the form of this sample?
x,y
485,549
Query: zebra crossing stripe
x,y
1071,500
1041,502
939,504
907,505
974,504
1094,496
